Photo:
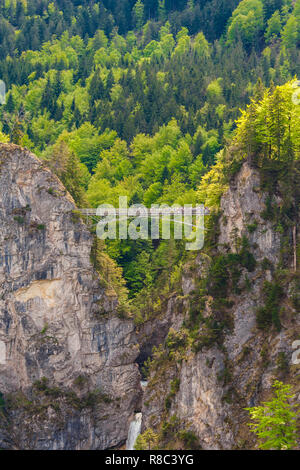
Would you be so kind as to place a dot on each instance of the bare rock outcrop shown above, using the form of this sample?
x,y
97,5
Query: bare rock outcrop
x,y
67,361
208,389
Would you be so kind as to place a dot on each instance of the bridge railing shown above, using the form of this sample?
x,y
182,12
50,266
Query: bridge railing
x,y
145,212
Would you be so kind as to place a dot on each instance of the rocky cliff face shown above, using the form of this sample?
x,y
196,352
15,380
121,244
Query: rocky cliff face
x,y
68,378
67,362
208,387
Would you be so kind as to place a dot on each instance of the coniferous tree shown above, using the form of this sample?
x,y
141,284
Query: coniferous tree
x,y
274,422
138,14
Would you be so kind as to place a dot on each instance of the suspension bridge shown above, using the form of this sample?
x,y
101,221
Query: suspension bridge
x,y
181,215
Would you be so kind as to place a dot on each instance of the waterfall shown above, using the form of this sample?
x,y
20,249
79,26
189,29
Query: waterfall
x,y
134,431
135,425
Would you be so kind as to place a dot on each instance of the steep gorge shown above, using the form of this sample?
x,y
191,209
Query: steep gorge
x,y
68,364
67,361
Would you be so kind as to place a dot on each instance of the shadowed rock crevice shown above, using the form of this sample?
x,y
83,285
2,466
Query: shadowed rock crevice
x,y
67,361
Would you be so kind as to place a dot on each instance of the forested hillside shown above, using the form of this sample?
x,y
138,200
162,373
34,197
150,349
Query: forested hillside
x,y
137,98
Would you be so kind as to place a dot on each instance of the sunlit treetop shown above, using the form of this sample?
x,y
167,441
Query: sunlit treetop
x,y
272,125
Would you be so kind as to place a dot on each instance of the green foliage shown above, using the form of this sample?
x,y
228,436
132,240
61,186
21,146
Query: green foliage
x,y
45,395
111,274
225,270
282,363
2,403
290,32
73,174
247,22
19,219
252,227
80,381
171,435
270,313
4,138
175,384
266,264
271,127
138,11
175,340
274,422
190,440
147,440
274,27
269,211
211,333
213,184
219,276
119,107
168,401
214,90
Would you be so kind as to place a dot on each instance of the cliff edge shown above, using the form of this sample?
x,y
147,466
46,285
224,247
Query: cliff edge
x,y
68,378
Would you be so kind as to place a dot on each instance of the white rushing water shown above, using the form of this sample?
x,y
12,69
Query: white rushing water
x,y
134,431
135,425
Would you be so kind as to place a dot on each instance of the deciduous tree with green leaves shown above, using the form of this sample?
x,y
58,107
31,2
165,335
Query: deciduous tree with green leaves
x,y
138,11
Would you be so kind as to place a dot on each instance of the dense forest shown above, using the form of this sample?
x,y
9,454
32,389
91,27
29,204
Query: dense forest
x,y
140,98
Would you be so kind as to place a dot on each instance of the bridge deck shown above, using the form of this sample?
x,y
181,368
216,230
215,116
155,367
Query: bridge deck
x,y
147,212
